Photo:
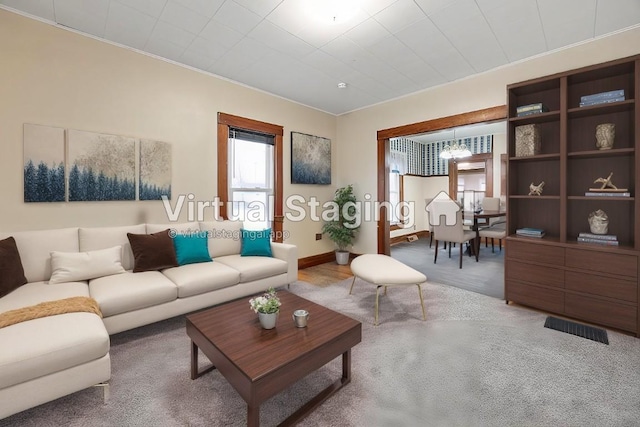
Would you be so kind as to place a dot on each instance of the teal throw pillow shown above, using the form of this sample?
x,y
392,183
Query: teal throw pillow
x,y
191,249
256,243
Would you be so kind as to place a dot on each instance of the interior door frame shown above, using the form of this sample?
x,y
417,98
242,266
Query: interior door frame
x,y
486,115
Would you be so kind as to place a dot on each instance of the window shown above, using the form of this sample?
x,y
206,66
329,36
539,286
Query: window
x,y
398,166
251,178
250,172
394,197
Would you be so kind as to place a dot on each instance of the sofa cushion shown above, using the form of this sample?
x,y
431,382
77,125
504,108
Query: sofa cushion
x,y
76,266
131,291
191,249
92,239
254,267
36,292
50,344
224,237
11,271
256,243
194,279
152,251
35,249
184,227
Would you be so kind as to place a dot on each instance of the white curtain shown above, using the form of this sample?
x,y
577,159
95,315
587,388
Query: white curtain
x,y
398,162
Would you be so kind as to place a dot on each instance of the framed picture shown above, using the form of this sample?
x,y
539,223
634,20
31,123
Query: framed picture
x,y
101,167
310,159
155,170
44,171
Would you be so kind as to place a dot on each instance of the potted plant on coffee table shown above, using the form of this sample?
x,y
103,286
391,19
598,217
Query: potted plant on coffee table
x,y
344,224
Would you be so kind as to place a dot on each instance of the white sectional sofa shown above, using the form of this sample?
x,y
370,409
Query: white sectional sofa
x,y
46,358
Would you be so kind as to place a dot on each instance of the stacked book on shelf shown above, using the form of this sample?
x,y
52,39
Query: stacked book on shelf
x,y
602,98
600,239
530,232
525,110
597,192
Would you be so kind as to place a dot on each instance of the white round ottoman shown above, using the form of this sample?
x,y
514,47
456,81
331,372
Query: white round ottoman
x,y
382,270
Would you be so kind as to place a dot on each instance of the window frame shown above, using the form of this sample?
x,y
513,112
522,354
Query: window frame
x,y
400,224
227,121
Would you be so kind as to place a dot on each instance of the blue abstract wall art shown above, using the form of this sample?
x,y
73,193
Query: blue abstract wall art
x,y
310,159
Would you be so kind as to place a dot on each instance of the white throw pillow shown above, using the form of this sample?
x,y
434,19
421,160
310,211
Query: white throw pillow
x,y
75,266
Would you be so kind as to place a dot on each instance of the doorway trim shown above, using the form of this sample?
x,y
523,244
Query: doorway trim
x,y
491,114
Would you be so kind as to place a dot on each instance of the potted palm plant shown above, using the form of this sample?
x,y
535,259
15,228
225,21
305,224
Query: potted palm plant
x,y
342,228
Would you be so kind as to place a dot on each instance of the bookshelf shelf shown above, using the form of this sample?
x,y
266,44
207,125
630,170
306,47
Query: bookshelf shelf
x,y
557,273
524,196
548,116
603,153
613,107
603,198
551,156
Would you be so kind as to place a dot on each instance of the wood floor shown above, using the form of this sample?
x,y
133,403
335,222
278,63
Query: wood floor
x,y
325,274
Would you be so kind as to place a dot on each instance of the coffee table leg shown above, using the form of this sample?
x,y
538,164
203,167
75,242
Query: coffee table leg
x,y
194,363
194,360
346,367
253,415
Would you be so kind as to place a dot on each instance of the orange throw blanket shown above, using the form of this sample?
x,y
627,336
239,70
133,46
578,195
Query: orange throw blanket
x,y
50,308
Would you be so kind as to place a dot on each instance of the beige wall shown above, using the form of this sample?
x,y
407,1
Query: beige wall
x,y
55,77
357,130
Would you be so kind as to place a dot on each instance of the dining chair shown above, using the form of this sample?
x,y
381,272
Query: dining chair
x,y
497,231
496,228
450,233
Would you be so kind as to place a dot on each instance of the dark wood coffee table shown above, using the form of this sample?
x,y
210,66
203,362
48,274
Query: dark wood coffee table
x,y
260,363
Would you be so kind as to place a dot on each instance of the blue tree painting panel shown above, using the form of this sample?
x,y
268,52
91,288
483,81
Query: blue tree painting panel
x,y
101,167
43,164
155,170
310,159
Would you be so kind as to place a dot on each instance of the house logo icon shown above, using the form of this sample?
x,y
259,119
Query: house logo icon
x,y
442,205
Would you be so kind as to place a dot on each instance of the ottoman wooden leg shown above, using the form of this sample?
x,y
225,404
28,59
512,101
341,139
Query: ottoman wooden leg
x,y
424,316
377,294
351,288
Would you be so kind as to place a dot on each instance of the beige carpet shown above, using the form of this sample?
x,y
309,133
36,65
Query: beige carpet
x,y
474,362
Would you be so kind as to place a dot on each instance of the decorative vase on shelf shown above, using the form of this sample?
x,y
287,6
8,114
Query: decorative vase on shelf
x,y
599,222
605,134
268,320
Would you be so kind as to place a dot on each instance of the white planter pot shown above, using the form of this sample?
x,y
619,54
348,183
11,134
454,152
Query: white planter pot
x,y
342,257
268,320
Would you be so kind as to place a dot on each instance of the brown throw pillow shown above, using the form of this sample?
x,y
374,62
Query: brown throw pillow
x,y
152,252
11,271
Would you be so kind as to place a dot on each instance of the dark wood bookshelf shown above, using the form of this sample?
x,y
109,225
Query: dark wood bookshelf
x,y
588,281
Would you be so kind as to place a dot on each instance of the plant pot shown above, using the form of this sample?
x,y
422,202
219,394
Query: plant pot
x,y
268,320
342,257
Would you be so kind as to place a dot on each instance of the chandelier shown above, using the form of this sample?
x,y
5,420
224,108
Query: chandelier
x,y
455,150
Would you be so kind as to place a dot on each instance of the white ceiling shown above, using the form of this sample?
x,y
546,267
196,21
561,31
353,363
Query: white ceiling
x,y
389,49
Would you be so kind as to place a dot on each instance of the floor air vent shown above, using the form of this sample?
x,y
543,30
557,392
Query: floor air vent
x,y
578,329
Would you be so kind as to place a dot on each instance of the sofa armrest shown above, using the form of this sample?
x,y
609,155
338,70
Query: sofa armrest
x,y
288,253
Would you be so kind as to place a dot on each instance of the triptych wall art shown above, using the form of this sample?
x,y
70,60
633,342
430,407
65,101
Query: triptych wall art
x,y
78,166
310,159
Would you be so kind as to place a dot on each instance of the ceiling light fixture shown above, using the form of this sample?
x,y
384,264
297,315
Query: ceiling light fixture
x,y
455,150
333,11
342,85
